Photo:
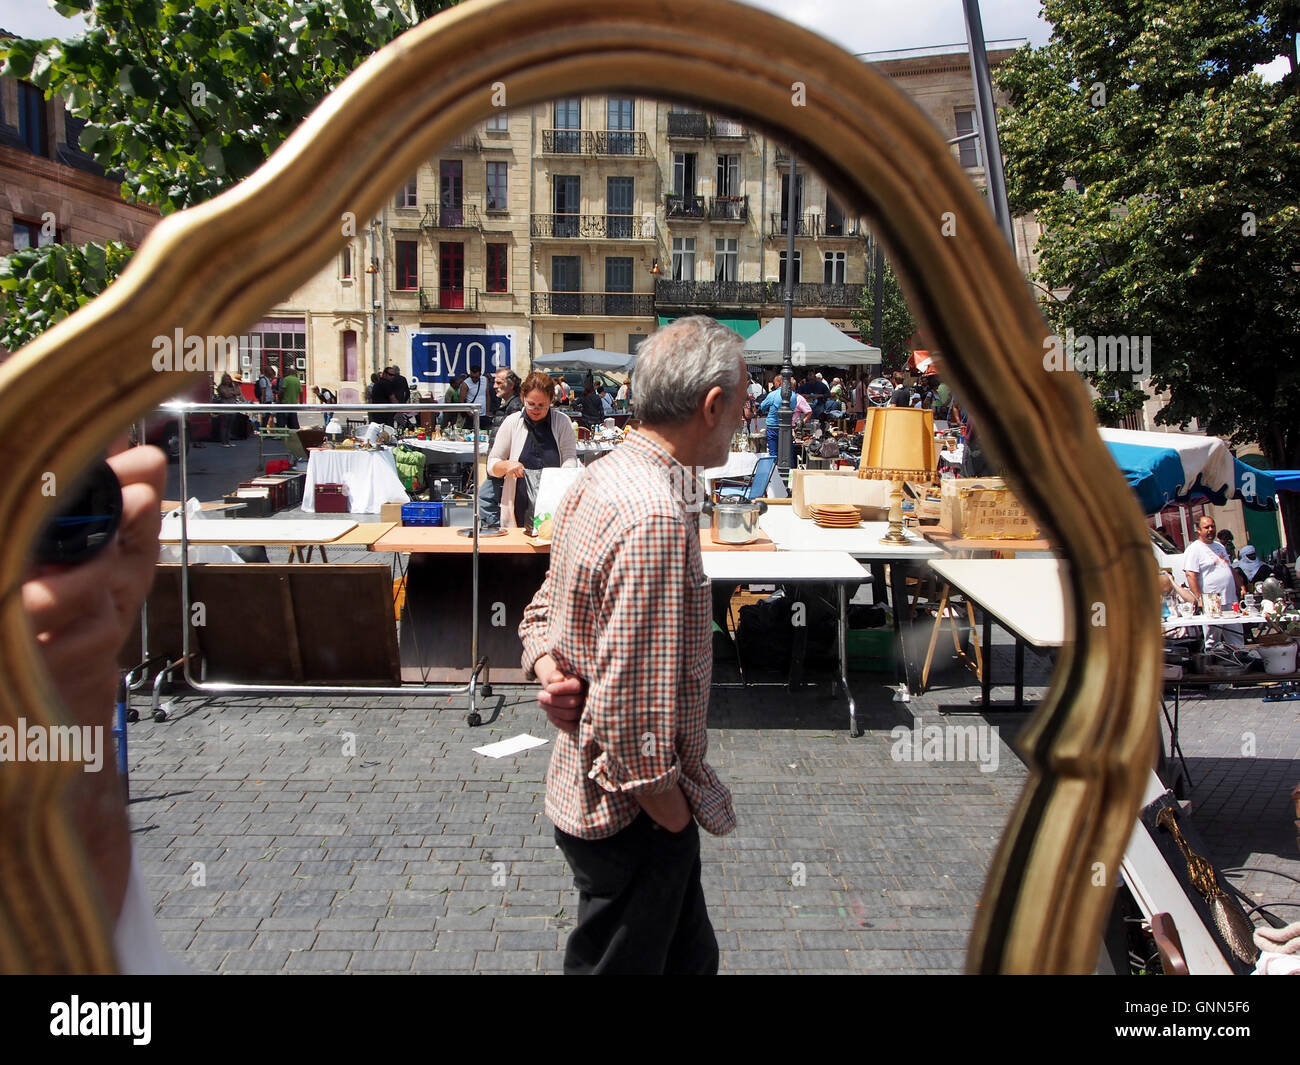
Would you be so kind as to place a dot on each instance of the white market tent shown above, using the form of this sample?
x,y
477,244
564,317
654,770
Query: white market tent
x,y
586,359
815,342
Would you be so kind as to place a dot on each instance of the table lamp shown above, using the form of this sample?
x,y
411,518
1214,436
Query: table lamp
x,y
897,446
334,432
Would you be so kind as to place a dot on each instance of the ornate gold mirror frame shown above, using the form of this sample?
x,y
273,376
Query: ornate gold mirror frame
x,y
213,270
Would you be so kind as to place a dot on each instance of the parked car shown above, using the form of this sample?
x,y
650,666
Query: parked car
x,y
162,428
577,381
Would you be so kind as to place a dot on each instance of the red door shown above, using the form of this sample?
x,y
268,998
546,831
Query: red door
x,y
451,277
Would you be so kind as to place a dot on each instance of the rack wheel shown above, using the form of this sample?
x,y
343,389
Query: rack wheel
x,y
133,715
487,690
855,731
474,720
160,715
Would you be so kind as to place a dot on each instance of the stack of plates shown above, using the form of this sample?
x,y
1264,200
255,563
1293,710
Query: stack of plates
x,y
835,515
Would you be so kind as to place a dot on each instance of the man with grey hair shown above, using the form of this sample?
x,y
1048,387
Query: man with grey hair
x,y
620,638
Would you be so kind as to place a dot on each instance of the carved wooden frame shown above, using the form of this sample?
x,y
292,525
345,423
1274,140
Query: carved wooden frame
x,y
214,269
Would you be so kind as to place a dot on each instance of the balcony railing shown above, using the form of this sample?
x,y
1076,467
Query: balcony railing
x,y
783,156
463,216
619,142
729,208
690,124
805,225
593,227
466,142
629,304
847,228
753,293
451,298
625,143
687,208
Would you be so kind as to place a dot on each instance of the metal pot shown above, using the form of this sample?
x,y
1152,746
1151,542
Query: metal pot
x,y
735,523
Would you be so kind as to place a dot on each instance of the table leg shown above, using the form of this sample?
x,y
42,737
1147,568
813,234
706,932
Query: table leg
x,y
986,682
323,556
898,590
1020,673
854,730
975,639
934,636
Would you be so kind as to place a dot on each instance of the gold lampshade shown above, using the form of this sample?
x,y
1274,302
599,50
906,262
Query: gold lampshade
x,y
898,444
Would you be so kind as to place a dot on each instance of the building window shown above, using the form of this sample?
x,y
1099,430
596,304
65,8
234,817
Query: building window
x,y
724,259
618,121
345,264
29,234
32,127
634,341
496,186
451,276
835,263
834,218
349,339
683,258
618,279
498,122
568,117
275,344
618,208
406,196
728,175
566,205
566,277
408,274
798,268
497,268
72,129
683,173
970,148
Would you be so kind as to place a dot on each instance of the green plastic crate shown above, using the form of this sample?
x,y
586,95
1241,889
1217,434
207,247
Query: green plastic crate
x,y
870,650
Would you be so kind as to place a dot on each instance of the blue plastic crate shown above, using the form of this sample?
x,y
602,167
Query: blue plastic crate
x,y
422,514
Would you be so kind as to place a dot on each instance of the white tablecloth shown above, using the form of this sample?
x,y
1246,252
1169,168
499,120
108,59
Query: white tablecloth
x,y
369,476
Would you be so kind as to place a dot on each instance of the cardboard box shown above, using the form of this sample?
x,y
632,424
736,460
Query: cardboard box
x,y
871,497
390,512
799,478
983,508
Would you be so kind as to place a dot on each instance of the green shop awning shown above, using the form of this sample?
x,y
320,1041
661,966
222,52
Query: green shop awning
x,y
746,327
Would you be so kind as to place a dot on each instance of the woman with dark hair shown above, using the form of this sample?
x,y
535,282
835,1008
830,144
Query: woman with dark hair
x,y
593,410
528,441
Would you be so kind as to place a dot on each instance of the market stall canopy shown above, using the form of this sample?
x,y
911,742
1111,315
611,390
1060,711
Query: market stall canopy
x,y
922,362
814,340
1165,468
587,359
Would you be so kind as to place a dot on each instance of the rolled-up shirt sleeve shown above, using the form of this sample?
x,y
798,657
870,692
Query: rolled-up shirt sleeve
x,y
635,686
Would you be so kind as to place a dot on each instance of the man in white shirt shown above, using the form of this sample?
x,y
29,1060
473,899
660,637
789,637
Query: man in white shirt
x,y
1209,571
474,389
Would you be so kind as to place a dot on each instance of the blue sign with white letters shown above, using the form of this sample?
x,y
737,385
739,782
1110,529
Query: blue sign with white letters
x,y
438,357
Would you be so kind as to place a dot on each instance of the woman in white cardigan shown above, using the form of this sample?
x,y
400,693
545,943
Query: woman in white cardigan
x,y
531,439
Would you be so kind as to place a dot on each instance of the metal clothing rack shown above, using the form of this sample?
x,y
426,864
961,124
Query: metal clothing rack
x,y
479,683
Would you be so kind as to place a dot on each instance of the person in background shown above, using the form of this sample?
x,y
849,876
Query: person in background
x,y
942,402
606,401
771,406
1252,570
265,392
475,389
619,638
902,395
382,393
535,438
593,411
370,388
1225,538
291,392
450,419
227,392
399,393
506,384
620,401
1209,570
326,397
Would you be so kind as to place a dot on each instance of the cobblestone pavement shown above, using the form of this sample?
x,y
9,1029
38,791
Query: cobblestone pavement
x,y
364,835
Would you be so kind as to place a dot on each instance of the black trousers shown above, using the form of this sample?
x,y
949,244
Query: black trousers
x,y
640,904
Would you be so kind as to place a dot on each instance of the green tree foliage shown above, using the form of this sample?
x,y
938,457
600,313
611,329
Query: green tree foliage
x,y
1166,176
898,325
40,286
182,99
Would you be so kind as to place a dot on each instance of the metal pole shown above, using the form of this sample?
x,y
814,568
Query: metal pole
x,y
785,413
987,117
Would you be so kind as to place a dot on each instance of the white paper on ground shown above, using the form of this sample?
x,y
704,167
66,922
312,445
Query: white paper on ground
x,y
513,745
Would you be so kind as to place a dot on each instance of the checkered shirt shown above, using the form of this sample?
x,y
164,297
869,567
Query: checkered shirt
x,y
626,606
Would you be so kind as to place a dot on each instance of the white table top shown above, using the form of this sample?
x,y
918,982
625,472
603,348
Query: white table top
x,y
1024,594
257,531
770,567
790,533
1172,624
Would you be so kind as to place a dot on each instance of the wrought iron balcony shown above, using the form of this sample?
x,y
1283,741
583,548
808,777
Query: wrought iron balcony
x,y
708,294
693,125
631,304
463,216
729,208
684,208
452,298
846,228
728,129
565,142
466,142
624,142
593,227
805,225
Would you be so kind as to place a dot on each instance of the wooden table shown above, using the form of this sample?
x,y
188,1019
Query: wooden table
x,y
960,546
262,532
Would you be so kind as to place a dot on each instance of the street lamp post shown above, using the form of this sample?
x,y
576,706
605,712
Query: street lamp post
x,y
785,413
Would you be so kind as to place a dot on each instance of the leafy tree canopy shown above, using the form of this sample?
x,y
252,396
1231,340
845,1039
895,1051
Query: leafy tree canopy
x,y
1166,176
898,325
